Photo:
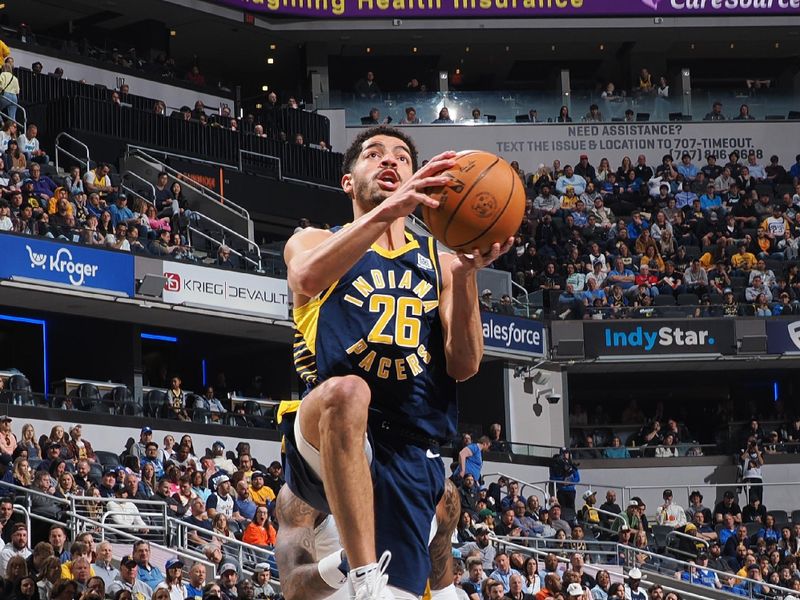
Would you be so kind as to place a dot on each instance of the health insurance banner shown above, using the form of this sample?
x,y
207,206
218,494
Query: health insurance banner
x,y
233,291
515,8
531,144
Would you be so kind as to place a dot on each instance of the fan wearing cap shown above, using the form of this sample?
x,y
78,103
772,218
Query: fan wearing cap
x,y
128,580
79,448
727,505
173,579
218,453
574,590
18,546
589,513
145,436
261,578
221,501
631,517
632,591
485,301
669,513
228,578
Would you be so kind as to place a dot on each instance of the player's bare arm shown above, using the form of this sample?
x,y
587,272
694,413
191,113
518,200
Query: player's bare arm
x,y
458,305
316,258
294,550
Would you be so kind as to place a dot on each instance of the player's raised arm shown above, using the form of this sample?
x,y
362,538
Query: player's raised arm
x,y
458,305
316,258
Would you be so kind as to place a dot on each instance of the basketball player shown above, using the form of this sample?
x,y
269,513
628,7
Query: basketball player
x,y
385,326
309,552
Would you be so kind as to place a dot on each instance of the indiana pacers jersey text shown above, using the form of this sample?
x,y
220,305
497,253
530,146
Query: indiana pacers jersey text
x,y
381,321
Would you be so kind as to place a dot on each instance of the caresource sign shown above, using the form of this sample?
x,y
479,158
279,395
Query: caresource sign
x,y
231,291
515,8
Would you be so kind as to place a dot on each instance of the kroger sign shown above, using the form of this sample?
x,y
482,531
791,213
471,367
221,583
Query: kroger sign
x,y
71,265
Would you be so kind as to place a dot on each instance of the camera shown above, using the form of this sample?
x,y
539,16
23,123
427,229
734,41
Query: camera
x,y
553,398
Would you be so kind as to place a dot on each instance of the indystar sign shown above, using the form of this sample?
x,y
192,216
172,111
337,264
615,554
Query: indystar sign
x,y
620,338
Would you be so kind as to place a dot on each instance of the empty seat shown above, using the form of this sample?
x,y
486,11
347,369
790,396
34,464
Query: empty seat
x,y
752,528
780,516
675,116
642,116
154,403
796,517
716,298
20,390
693,251
783,188
107,459
688,299
87,397
664,300
123,402
774,118
794,115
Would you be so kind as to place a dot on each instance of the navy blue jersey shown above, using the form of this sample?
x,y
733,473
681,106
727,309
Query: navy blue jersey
x,y
381,321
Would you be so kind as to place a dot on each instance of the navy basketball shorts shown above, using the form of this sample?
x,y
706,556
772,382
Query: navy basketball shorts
x,y
408,482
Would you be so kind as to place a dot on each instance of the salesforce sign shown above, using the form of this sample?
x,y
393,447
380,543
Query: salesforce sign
x,y
74,266
512,335
635,338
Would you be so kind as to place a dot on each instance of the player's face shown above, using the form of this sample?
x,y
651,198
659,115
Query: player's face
x,y
382,166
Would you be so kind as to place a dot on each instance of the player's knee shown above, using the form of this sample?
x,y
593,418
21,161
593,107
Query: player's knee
x,y
346,400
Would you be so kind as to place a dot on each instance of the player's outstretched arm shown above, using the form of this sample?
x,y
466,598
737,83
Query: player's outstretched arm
x,y
458,305
294,550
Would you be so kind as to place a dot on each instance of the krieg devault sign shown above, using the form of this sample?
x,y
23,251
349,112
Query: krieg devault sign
x,y
507,8
230,290
621,338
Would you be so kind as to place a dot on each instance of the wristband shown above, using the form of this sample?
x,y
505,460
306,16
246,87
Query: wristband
x,y
330,572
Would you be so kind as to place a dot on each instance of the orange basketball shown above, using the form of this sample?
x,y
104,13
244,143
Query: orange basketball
x,y
482,204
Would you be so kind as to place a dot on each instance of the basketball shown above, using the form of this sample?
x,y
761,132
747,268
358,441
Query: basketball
x,y
483,203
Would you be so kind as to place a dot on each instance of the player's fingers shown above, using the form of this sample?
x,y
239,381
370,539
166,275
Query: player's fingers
x,y
431,182
443,155
435,166
426,200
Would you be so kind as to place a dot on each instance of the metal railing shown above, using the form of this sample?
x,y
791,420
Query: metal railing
x,y
150,201
59,149
227,231
247,555
523,484
257,157
21,109
685,536
147,154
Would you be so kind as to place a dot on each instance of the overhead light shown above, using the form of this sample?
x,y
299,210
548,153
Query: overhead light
x,y
553,47
414,50
172,32
265,88
692,46
369,49
733,45
777,45
259,106
270,61
466,49
272,46
508,48
2,5
602,46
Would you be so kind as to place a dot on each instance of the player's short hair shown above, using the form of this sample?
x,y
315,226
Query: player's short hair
x,y
351,154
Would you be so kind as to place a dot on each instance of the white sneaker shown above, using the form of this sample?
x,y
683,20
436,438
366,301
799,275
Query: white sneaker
x,y
371,585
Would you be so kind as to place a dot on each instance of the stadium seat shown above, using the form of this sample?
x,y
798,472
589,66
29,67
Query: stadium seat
x,y
664,300
123,402
716,298
491,118
642,116
87,397
752,528
738,283
617,119
764,189
796,517
774,118
20,390
747,310
693,251
794,115
688,299
107,459
522,119
660,536
154,403
675,116
783,188
781,516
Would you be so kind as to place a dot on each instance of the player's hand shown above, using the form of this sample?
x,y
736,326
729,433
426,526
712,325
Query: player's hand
x,y
468,263
413,192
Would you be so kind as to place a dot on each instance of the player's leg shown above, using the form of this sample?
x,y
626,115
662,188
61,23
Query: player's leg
x,y
441,548
332,419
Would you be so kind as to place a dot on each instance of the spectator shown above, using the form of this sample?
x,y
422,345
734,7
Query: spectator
x,y
228,578
9,89
367,87
97,180
716,113
411,117
43,187
470,458
29,143
78,448
444,116
103,567
260,531
173,579
482,547
669,513
18,546
128,580
569,178
197,579
563,115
